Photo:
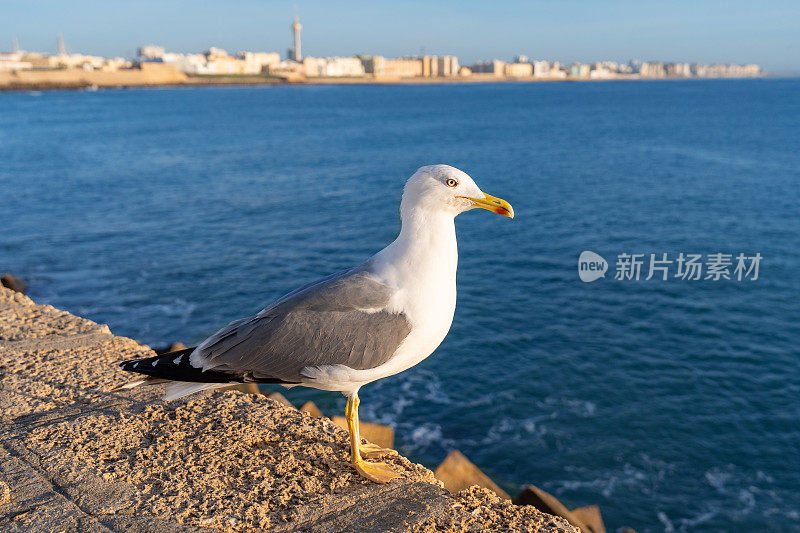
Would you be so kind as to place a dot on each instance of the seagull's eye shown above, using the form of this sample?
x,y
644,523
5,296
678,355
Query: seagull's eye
x,y
451,182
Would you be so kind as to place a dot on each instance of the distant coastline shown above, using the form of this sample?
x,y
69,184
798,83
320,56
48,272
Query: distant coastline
x,y
159,76
156,66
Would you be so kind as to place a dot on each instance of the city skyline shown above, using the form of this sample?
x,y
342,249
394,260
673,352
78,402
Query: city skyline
x,y
738,34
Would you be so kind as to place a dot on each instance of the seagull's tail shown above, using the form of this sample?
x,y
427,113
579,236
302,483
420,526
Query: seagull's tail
x,y
175,368
179,389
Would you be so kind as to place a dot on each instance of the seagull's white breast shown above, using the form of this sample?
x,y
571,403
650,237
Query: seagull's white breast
x,y
429,301
420,266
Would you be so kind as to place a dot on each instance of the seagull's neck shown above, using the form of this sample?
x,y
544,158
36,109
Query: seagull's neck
x,y
426,249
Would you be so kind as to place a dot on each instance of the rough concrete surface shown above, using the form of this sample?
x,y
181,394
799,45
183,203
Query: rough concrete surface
x,y
77,456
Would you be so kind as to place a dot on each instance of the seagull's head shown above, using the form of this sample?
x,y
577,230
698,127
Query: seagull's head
x,y
445,188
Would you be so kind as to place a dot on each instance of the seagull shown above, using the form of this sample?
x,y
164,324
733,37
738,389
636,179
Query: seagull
x,y
352,327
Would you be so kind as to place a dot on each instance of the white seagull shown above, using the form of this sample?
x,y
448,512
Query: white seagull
x,y
350,328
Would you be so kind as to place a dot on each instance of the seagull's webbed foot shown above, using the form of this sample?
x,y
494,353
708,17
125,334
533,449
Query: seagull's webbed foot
x,y
373,451
376,472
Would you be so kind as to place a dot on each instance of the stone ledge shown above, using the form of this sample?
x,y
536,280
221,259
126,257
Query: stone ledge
x,y
77,456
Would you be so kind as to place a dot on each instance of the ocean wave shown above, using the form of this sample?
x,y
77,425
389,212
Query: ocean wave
x,y
685,524
575,406
424,435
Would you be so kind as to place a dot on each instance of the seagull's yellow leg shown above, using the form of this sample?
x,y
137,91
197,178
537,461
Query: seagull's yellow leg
x,y
370,450
377,472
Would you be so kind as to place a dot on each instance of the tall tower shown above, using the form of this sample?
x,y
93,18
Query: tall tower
x,y
62,50
15,43
296,54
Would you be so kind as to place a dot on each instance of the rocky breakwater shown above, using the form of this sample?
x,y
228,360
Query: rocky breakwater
x,y
75,455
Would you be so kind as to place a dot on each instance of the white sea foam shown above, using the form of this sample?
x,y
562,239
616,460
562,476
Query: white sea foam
x,y
664,519
424,435
575,406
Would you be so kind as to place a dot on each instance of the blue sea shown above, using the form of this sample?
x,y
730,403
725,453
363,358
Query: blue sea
x,y
673,404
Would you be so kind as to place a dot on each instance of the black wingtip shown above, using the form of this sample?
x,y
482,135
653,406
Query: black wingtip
x,y
176,366
130,365
173,366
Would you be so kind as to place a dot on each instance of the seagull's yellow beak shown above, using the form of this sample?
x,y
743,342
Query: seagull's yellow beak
x,y
497,205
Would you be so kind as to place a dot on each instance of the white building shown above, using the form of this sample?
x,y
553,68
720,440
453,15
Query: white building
x,y
151,51
541,69
652,69
257,62
678,70
13,61
447,65
212,61
518,70
546,69
320,67
76,61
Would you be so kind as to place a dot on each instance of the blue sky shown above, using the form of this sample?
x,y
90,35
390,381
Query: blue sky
x,y
765,32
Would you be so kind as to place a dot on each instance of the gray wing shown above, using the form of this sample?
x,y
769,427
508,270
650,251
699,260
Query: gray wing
x,y
322,323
